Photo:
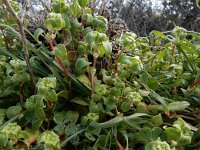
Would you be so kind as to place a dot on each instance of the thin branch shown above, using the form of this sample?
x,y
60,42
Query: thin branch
x,y
41,1
19,22
24,11
173,51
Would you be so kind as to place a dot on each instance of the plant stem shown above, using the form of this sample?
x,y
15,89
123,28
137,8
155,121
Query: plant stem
x,y
194,83
19,22
116,70
58,59
173,51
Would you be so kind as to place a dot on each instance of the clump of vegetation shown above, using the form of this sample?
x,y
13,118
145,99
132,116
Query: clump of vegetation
x,y
79,94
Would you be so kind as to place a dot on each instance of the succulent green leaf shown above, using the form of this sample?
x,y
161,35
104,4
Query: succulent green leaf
x,y
22,78
90,37
11,130
57,7
188,49
50,139
59,117
80,65
157,120
173,133
38,33
3,140
24,135
67,22
60,51
76,27
54,22
34,102
72,116
48,82
88,19
12,111
37,117
157,33
153,83
145,134
125,106
179,32
85,80
125,59
157,145
144,77
160,55
156,133
82,3
79,101
49,95
46,88
2,116
90,136
108,47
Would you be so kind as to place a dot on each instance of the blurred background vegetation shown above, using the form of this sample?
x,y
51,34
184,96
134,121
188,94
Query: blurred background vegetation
x,y
141,16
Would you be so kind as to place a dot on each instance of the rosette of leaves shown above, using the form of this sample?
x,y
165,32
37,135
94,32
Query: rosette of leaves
x,y
179,32
131,98
54,22
35,111
98,44
35,104
129,42
132,65
156,37
9,132
12,133
50,139
60,6
180,133
158,145
12,75
46,88
19,72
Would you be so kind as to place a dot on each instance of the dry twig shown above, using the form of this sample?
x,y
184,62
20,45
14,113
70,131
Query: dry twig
x,y
20,23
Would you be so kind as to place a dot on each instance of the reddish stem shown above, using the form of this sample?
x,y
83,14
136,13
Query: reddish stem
x,y
94,62
83,22
58,59
115,71
173,51
194,83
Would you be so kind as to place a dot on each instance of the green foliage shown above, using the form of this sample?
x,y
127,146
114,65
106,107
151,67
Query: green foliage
x,y
157,145
179,132
50,139
122,99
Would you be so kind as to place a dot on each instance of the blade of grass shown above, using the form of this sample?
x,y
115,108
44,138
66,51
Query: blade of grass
x,y
85,90
186,57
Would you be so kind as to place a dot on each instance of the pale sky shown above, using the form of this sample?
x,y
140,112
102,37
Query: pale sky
x,y
156,3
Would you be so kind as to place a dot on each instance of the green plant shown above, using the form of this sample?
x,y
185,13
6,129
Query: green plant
x,y
90,97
